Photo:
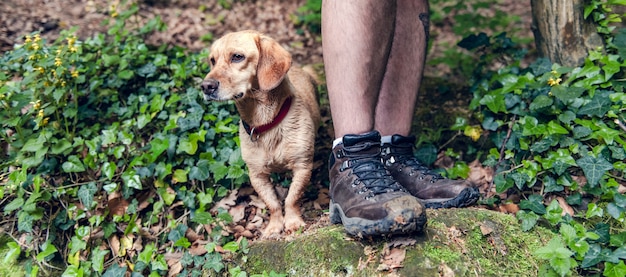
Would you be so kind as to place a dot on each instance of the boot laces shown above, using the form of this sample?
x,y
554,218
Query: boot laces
x,y
371,173
403,154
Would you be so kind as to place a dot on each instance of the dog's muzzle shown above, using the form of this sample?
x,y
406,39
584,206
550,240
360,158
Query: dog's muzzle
x,y
209,89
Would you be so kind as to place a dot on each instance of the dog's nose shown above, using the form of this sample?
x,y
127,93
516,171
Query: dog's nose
x,y
209,87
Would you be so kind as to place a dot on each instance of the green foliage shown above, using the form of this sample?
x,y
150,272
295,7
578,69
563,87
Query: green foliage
x,y
559,140
310,16
107,140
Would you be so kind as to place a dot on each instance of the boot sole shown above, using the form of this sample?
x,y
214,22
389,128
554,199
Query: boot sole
x,y
466,198
360,227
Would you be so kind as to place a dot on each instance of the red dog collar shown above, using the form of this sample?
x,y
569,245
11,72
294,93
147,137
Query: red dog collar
x,y
256,131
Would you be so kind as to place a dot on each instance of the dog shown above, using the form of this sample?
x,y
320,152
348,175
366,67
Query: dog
x,y
279,111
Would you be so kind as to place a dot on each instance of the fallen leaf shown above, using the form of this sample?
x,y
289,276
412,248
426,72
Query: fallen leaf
x,y
486,230
114,242
393,259
226,202
510,208
567,209
237,212
174,269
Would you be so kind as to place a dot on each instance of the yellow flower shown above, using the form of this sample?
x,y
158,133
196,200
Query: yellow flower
x,y
474,132
58,61
40,69
73,49
28,39
32,57
63,83
44,122
59,51
36,105
40,114
37,38
71,40
74,74
114,14
553,82
35,46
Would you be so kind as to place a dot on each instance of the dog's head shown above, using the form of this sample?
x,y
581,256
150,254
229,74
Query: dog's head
x,y
242,62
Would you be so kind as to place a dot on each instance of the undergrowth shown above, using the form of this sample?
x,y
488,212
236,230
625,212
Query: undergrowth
x,y
108,148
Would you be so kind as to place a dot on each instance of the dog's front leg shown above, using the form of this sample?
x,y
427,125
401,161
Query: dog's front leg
x,y
301,178
261,183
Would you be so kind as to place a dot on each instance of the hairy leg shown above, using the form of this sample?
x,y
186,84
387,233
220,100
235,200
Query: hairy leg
x,y
356,40
403,75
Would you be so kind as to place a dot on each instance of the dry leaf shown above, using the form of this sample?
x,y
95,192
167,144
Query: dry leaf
x,y
257,202
485,230
174,269
114,243
510,208
237,212
393,259
567,209
226,202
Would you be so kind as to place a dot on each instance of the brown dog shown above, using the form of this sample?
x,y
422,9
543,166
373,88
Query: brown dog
x,y
279,114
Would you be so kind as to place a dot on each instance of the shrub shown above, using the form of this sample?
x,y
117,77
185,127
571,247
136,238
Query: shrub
x,y
110,147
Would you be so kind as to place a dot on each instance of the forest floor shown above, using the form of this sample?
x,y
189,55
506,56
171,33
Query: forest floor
x,y
194,24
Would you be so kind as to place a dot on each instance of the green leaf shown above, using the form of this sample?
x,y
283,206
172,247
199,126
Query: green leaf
x,y
592,257
598,106
157,147
115,270
614,270
533,203
77,244
108,169
231,246
594,168
126,74
14,205
60,146
540,102
146,255
73,164
201,171
567,117
12,253
47,249
566,94
528,219
132,180
86,194
97,258
558,256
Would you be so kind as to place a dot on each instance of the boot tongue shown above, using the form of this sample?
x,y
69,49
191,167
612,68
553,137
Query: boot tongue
x,y
398,139
351,140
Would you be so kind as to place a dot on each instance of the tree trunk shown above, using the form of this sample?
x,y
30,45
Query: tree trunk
x,y
561,32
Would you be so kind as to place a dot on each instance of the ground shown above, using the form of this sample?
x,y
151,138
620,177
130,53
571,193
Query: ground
x,y
193,24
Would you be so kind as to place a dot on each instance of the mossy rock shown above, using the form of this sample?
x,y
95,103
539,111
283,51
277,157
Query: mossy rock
x,y
457,242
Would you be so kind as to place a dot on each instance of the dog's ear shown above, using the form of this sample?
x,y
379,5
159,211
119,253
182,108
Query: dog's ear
x,y
274,62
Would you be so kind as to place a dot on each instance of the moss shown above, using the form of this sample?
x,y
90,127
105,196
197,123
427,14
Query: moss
x,y
11,268
453,240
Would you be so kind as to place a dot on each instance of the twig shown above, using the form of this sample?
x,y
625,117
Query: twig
x,y
506,139
620,124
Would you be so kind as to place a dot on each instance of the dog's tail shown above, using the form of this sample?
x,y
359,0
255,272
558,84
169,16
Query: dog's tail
x,y
313,72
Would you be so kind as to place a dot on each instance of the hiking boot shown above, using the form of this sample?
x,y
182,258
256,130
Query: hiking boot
x,y
364,197
434,190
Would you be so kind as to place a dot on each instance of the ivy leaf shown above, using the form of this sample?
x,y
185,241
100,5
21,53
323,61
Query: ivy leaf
x,y
214,261
598,106
541,66
540,102
534,203
474,41
97,258
614,270
581,131
12,253
73,164
592,257
426,154
528,219
47,249
86,193
594,168
14,205
114,271
567,117
201,171
108,169
614,210
566,94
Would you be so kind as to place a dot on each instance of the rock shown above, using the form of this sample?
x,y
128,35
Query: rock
x,y
457,242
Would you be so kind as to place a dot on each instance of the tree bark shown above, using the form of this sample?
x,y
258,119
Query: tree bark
x,y
561,32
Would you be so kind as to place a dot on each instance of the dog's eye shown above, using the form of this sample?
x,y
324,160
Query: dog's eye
x,y
235,58
212,60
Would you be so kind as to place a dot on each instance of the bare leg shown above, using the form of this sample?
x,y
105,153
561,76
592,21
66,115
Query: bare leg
x,y
396,101
356,40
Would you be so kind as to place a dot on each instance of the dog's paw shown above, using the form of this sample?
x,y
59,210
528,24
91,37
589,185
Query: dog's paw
x,y
272,230
293,223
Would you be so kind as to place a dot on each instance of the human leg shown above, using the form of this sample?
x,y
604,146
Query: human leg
x,y
394,113
357,37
